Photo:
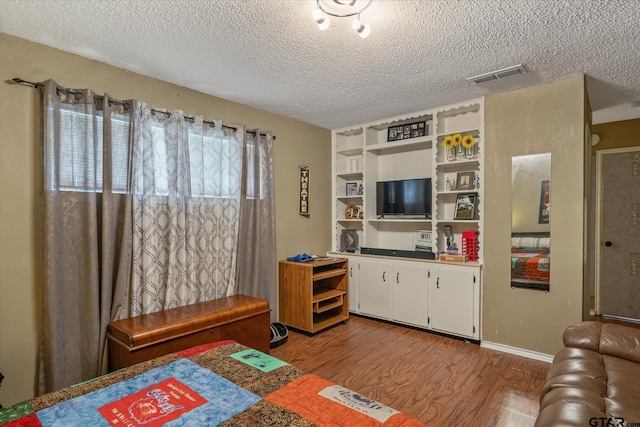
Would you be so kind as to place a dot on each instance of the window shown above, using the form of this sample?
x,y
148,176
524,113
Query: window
x,y
80,166
213,161
252,146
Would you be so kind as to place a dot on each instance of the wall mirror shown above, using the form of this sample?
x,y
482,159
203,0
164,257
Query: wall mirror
x,y
530,215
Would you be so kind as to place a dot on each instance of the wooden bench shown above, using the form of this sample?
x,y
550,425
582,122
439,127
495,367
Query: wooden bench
x,y
241,318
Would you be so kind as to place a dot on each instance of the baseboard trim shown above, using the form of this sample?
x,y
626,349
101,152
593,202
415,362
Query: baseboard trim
x,y
517,351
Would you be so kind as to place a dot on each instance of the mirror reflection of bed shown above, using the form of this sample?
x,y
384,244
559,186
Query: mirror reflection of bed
x,y
530,260
530,225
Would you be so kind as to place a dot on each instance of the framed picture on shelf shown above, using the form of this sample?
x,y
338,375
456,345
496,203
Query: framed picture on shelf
x,y
411,130
391,135
465,181
349,241
353,212
466,206
352,189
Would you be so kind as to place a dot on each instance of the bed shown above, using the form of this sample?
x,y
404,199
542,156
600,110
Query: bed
x,y
222,383
530,260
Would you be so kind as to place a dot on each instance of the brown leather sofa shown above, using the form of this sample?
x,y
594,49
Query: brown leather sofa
x,y
595,379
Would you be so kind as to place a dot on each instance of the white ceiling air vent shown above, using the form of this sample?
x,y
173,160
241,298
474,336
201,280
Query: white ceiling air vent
x,y
499,74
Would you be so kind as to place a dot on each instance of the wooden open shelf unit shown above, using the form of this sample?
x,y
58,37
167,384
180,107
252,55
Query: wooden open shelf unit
x,y
313,295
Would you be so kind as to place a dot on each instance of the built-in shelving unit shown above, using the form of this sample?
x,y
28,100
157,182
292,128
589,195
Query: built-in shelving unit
x,y
432,295
363,155
463,119
348,168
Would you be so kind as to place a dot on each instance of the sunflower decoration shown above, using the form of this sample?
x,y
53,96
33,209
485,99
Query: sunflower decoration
x,y
456,139
448,142
468,141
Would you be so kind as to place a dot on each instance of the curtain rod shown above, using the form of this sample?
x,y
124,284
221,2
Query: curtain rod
x,y
20,81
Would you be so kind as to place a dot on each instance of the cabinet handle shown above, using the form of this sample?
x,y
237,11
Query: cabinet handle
x,y
438,283
351,271
383,276
398,277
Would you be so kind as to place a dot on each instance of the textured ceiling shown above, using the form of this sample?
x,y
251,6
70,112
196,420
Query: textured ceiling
x,y
269,54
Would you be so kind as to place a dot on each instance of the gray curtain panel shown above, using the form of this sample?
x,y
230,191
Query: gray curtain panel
x,y
257,263
144,210
88,244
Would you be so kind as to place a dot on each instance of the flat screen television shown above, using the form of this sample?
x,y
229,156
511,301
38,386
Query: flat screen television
x,y
404,197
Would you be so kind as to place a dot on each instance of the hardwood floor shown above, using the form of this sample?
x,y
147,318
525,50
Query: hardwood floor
x,y
437,380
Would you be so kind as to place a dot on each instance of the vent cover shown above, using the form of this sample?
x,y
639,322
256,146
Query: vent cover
x,y
499,74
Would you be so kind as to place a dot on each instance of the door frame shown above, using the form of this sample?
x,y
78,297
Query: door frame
x,y
598,225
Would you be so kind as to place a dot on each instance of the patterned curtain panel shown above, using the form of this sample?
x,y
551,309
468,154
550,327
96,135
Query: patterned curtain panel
x,y
257,240
186,179
87,246
144,210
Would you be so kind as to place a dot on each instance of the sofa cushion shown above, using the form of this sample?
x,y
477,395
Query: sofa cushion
x,y
567,414
583,335
627,409
583,367
568,353
595,377
592,385
620,341
623,387
573,395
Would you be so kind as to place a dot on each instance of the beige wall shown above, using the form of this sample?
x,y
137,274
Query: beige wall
x,y
546,118
20,182
625,133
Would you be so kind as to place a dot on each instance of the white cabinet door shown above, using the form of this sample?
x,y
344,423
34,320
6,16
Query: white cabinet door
x,y
352,276
374,290
409,293
451,300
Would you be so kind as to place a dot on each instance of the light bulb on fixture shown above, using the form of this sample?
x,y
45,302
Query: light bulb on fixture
x,y
342,9
321,19
362,29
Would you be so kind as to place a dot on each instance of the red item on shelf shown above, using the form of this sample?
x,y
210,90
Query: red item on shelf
x,y
470,244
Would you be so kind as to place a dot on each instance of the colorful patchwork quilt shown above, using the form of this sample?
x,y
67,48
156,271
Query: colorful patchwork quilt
x,y
219,384
531,265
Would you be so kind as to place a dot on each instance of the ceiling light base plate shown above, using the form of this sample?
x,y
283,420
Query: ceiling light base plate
x,y
343,8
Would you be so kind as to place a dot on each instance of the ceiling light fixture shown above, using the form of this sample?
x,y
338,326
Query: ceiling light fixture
x,y
342,9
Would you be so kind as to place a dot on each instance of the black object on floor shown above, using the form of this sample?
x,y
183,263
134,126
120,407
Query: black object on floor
x,y
279,334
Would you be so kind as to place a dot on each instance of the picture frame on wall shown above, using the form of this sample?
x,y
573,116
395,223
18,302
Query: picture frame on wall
x,y
465,181
465,206
303,205
545,202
